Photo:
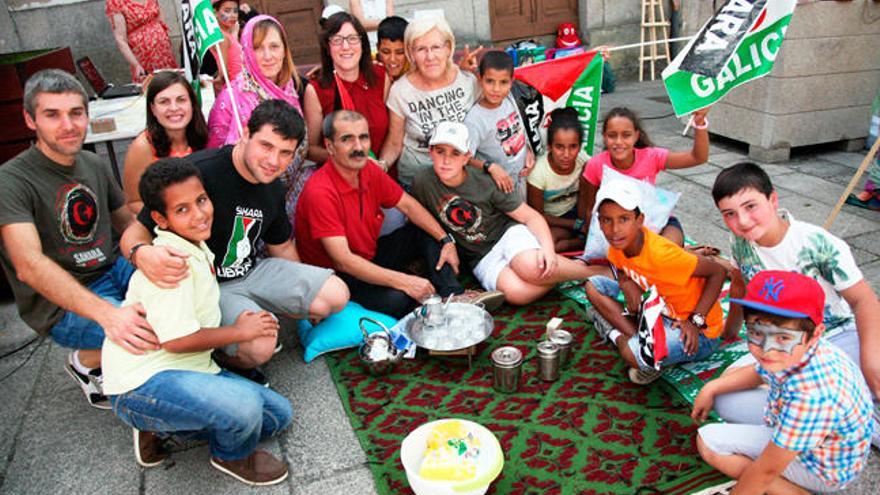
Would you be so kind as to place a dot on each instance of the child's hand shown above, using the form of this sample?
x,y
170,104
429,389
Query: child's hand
x,y
700,116
254,325
469,60
690,337
502,180
547,262
703,404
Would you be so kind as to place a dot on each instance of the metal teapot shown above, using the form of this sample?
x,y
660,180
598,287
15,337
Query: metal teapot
x,y
377,352
432,312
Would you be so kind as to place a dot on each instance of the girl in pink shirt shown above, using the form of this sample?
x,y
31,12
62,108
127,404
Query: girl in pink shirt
x,y
629,150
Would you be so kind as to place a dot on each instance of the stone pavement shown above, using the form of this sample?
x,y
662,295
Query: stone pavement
x,y
51,441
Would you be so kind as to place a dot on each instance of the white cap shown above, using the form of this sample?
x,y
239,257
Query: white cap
x,y
625,193
454,134
330,10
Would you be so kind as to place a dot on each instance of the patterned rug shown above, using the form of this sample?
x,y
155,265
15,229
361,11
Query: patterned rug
x,y
590,432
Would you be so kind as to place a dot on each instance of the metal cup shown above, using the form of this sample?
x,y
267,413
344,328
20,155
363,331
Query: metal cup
x,y
563,340
506,366
432,311
548,361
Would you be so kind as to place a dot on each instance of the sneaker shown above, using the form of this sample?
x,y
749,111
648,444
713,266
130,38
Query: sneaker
x,y
491,300
149,449
643,377
259,469
603,328
89,383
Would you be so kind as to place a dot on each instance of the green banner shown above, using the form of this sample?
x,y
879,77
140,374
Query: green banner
x,y
752,59
208,31
584,98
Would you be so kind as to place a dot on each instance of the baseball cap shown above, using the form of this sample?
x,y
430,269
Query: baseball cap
x,y
623,192
454,134
330,10
787,294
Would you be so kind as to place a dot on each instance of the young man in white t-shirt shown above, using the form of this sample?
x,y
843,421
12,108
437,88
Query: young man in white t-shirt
x,y
768,238
497,136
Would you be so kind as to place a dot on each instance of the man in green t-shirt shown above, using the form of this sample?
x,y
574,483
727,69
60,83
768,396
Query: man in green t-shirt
x,y
59,206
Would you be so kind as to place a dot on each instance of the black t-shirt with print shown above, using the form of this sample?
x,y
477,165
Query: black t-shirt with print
x,y
244,213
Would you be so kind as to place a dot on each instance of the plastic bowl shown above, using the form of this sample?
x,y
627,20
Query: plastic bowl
x,y
489,466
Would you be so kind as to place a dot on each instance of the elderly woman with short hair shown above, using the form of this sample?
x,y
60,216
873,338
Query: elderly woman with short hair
x,y
435,90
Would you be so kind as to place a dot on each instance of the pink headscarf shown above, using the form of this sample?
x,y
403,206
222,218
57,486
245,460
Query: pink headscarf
x,y
250,88
252,68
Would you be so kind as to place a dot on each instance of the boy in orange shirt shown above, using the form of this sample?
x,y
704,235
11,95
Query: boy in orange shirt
x,y
688,285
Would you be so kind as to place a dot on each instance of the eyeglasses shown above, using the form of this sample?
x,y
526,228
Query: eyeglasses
x,y
352,39
424,50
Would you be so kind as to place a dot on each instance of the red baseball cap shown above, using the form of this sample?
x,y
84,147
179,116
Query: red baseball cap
x,y
788,294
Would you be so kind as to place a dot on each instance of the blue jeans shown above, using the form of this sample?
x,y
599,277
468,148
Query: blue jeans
x,y
609,287
74,331
233,413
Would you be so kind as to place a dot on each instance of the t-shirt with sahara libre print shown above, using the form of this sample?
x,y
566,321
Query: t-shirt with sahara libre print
x,y
71,209
422,111
244,213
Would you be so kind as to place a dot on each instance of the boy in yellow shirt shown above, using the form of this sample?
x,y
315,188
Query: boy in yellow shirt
x,y
179,388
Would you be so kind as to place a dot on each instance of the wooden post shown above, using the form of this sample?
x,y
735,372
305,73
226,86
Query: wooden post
x,y
852,184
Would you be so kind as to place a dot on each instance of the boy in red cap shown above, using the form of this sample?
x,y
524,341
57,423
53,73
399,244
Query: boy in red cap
x,y
818,419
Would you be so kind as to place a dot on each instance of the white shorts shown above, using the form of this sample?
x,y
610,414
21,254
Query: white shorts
x,y
516,240
750,441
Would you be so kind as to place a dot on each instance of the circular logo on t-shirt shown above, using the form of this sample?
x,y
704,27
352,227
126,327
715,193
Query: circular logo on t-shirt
x,y
461,214
79,213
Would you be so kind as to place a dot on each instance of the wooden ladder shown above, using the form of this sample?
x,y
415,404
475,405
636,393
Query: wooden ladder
x,y
653,20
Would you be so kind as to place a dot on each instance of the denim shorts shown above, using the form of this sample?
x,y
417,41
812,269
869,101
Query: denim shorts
x,y
75,332
609,287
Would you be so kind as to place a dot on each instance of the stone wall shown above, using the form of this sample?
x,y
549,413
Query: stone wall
x,y
81,25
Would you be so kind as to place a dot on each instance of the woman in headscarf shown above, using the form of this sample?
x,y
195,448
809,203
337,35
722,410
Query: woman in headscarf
x,y
268,73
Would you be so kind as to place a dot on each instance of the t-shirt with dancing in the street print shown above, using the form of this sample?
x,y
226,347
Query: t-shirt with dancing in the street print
x,y
422,111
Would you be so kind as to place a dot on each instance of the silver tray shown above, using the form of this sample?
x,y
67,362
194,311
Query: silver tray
x,y
465,325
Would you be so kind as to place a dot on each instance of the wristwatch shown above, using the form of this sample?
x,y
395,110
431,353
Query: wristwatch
x,y
133,251
447,239
698,320
486,165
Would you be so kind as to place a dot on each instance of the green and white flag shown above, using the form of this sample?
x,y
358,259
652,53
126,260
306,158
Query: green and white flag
x,y
200,31
737,45
574,81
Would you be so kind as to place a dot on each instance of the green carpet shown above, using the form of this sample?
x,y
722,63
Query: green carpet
x,y
592,431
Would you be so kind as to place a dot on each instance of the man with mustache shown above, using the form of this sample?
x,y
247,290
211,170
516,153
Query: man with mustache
x,y
59,204
339,217
243,183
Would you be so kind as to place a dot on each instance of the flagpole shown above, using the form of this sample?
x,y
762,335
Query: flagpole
x,y
229,91
646,43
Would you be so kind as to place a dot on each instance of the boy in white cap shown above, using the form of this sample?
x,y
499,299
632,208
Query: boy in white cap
x,y
506,242
688,285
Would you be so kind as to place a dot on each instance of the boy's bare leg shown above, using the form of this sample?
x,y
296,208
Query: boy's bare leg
x,y
90,358
674,234
734,465
611,310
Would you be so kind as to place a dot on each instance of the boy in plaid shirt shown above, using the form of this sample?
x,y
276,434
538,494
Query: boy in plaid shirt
x,y
818,412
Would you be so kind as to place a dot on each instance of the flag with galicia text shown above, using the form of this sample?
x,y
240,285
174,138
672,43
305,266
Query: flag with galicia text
x,y
200,31
574,81
737,45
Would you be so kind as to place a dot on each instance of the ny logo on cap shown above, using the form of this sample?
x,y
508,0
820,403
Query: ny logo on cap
x,y
771,289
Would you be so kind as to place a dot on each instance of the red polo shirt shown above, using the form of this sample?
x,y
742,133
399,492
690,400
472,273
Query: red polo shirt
x,y
330,207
